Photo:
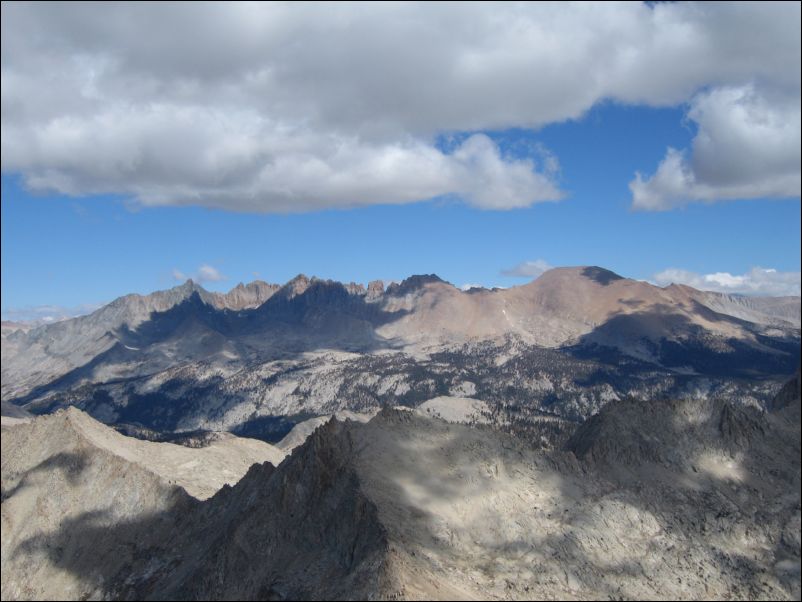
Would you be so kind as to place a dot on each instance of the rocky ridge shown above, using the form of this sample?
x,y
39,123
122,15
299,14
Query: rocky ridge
x,y
675,499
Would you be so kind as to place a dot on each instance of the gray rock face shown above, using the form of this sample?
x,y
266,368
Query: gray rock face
x,y
669,500
355,289
788,395
72,512
117,530
631,432
245,296
781,311
296,286
375,289
43,354
304,532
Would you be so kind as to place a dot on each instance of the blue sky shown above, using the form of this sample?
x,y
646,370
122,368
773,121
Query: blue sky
x,y
65,244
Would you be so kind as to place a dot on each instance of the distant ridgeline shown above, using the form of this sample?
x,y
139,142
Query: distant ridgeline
x,y
262,357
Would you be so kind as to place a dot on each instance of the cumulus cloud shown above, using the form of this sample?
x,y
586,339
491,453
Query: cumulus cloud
x,y
205,273
272,107
747,146
528,269
757,281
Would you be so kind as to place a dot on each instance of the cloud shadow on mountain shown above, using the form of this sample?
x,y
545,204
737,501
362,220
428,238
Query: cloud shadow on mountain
x,y
628,337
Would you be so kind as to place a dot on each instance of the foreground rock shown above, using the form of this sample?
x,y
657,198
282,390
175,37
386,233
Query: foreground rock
x,y
106,498
301,431
667,500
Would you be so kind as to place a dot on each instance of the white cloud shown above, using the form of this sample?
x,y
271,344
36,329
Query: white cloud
x,y
247,163
468,286
205,273
47,313
747,146
757,281
528,269
284,107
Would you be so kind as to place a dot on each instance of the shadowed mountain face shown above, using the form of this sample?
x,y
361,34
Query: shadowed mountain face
x,y
600,275
564,344
672,499
121,530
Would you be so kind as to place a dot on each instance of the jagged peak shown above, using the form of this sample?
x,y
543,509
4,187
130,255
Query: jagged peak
x,y
259,283
422,278
295,286
186,289
245,296
301,283
375,289
355,288
176,293
413,283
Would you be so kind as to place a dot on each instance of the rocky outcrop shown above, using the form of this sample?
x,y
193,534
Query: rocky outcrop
x,y
665,432
789,395
245,296
296,286
410,507
303,532
621,435
75,515
355,289
375,289
412,284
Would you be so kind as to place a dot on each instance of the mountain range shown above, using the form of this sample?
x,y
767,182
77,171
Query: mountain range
x,y
262,357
